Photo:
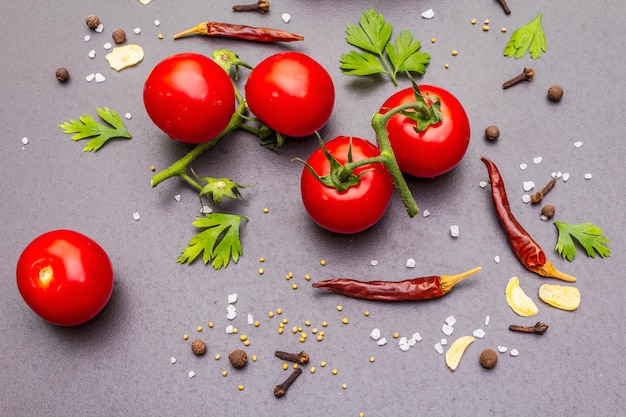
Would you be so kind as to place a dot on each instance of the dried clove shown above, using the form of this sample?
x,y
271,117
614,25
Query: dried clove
x,y
281,389
539,328
505,7
301,358
538,196
261,6
526,75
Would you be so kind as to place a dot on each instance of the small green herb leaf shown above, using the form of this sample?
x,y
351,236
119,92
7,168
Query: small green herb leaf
x,y
588,235
528,37
219,242
373,35
87,127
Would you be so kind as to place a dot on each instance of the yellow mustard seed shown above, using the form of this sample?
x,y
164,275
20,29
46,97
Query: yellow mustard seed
x,y
503,29
314,330
296,365
224,373
152,168
235,331
319,338
266,210
294,329
307,277
281,330
366,313
285,366
323,262
299,328
433,40
312,370
254,358
322,333
473,21
486,21
324,324
287,277
446,66
257,323
307,323
339,308
240,387
396,335
160,36
455,52
261,259
284,321
303,335
279,311
261,271
270,314
246,343
211,324
185,336
372,359
217,356
334,371
243,337
361,414
199,328
281,325
344,386
322,364
485,28
302,339
294,286
344,320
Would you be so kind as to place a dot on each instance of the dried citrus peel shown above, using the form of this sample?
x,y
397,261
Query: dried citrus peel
x,y
125,56
456,350
517,299
560,296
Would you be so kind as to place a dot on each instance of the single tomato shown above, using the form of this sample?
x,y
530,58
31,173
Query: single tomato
x,y
291,93
189,97
65,277
438,148
360,206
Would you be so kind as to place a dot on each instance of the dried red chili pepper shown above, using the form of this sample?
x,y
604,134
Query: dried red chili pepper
x,y
248,33
423,288
525,248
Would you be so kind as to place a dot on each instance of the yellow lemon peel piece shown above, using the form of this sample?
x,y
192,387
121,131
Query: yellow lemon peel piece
x,y
517,299
456,350
125,56
560,296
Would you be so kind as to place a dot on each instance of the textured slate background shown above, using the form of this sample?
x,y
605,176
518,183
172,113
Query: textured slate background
x,y
119,363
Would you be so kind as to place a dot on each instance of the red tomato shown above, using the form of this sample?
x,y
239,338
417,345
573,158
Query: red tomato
x,y
435,150
189,97
291,93
65,277
360,206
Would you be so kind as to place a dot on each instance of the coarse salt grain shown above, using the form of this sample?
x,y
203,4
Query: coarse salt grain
x,y
374,262
487,320
523,166
229,329
92,54
578,144
100,78
381,342
206,210
502,349
137,31
157,22
428,14
496,259
286,17
454,230
90,77
528,185
526,198
250,319
411,342
177,197
543,217
128,116
565,176
537,159
482,184
404,347
107,46
514,352
231,312
87,38
447,329
443,342
450,320
24,141
375,334
136,216
232,298
191,374
588,176
479,333
172,360
410,263
99,28
426,213
417,337
438,348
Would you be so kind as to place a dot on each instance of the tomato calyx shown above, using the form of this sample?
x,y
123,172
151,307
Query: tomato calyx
x,y
218,188
341,177
227,60
426,115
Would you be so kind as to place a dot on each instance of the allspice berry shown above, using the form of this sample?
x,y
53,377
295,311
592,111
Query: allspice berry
x,y
62,74
492,132
238,358
93,21
119,36
198,347
555,93
488,358
548,211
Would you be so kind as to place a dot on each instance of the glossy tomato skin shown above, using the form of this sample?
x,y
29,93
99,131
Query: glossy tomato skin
x,y
435,150
357,208
189,97
65,277
291,93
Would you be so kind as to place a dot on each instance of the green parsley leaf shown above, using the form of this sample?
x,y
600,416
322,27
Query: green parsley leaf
x,y
588,235
373,35
219,242
87,127
528,37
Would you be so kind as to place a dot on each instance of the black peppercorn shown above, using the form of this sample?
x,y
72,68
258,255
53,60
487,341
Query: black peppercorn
x,y
62,74
93,21
492,132
119,36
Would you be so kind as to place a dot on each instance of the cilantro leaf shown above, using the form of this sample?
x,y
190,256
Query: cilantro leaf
x,y
87,127
373,35
529,37
588,235
219,242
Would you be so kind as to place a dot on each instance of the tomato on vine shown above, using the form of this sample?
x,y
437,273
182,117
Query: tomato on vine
x,y
65,277
291,93
189,97
427,143
350,200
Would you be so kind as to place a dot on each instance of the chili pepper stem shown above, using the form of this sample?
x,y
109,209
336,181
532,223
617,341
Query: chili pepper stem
x,y
199,29
548,270
449,281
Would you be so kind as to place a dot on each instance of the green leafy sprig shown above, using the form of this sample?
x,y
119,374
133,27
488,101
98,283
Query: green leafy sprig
x,y
87,127
529,37
588,235
372,35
